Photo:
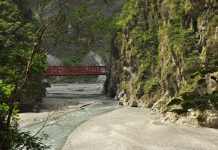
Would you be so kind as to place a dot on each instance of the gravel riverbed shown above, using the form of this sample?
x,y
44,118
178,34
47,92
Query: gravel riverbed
x,y
65,107
83,119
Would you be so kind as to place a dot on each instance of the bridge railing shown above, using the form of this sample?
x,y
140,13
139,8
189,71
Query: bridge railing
x,y
75,70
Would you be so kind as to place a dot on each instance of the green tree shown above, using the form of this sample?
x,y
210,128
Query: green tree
x,y
20,67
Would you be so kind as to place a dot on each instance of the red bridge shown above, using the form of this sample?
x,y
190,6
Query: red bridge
x,y
75,70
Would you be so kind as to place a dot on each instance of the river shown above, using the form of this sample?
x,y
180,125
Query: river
x,y
61,96
100,125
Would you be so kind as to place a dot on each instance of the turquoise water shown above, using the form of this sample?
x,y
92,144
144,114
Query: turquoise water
x,y
63,126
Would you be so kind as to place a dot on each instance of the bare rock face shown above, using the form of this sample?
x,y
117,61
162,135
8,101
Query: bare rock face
x,y
122,97
194,118
211,119
93,59
134,104
212,82
150,103
127,101
53,61
189,119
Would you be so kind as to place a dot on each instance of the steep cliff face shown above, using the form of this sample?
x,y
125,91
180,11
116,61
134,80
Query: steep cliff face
x,y
168,55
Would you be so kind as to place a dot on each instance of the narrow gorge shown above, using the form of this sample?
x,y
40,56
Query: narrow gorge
x,y
108,74
165,57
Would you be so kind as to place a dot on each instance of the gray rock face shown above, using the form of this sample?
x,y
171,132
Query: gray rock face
x,y
212,82
122,97
150,103
211,119
93,59
134,104
195,118
53,61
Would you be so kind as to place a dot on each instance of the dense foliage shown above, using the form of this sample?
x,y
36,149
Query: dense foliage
x,y
17,30
85,27
16,43
168,53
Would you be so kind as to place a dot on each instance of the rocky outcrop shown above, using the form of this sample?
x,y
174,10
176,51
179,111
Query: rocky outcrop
x,y
168,54
93,59
112,81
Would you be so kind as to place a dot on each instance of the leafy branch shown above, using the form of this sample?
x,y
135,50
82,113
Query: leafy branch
x,y
35,48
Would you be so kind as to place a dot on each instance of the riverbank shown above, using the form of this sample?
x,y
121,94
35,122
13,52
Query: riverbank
x,y
138,129
74,125
61,99
45,115
66,107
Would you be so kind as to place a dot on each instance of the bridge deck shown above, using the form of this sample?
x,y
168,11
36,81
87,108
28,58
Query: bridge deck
x,y
75,70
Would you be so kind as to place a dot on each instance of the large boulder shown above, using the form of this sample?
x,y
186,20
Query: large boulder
x,y
212,82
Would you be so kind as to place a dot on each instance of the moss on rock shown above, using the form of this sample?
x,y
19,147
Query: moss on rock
x,y
170,49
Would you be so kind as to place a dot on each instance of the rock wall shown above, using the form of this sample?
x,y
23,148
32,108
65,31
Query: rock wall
x,y
93,59
168,56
